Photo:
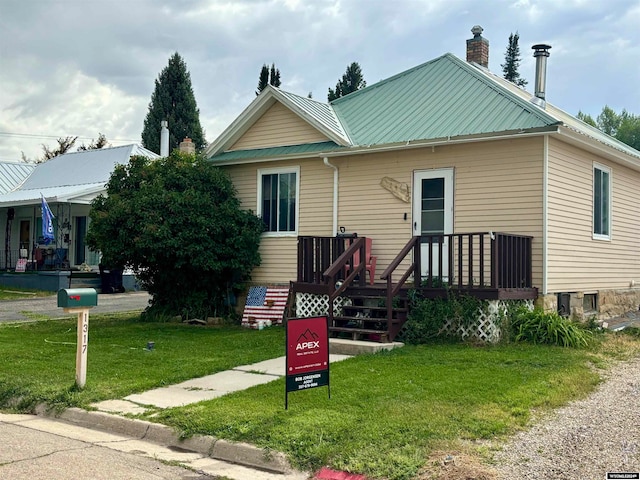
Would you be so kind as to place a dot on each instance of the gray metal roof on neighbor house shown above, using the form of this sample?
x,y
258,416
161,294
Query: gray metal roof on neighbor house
x,y
72,175
13,174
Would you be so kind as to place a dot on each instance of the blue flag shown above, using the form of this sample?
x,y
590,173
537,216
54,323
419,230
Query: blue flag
x,y
47,222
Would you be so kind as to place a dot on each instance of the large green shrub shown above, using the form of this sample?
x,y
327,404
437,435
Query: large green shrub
x,y
178,224
537,326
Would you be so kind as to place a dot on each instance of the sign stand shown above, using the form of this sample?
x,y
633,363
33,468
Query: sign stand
x,y
307,360
82,344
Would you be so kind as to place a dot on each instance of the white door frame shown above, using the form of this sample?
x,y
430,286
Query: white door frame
x,y
418,177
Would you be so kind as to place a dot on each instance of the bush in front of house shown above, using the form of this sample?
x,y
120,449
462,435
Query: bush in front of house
x,y
177,222
428,317
550,328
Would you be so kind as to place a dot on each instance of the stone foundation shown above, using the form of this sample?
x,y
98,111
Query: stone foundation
x,y
548,302
611,303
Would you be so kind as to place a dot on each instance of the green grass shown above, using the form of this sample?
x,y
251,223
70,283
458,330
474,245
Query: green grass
x,y
39,358
387,413
7,293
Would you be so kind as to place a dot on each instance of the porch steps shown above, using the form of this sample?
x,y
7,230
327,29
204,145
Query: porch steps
x,y
366,317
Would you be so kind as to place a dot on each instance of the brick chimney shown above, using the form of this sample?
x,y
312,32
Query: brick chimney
x,y
187,146
478,48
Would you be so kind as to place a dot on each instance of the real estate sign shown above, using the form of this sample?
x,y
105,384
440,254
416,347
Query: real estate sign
x,y
307,354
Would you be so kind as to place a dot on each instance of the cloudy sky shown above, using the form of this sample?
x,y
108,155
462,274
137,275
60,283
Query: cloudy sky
x,y
79,67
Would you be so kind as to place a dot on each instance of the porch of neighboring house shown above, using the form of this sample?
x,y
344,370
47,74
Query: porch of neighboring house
x,y
26,261
332,280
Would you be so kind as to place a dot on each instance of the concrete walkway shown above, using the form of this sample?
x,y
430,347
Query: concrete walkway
x,y
203,388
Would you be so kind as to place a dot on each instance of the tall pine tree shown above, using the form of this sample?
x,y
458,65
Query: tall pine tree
x,y
512,61
268,77
352,80
173,100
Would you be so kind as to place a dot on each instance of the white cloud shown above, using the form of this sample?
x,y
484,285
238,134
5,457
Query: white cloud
x,y
87,67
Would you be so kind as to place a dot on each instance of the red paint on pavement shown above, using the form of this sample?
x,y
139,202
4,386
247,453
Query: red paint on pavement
x,y
328,474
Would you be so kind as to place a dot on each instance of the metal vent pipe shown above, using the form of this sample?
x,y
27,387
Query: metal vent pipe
x,y
164,139
541,52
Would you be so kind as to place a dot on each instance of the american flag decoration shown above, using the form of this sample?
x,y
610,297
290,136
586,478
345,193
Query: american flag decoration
x,y
264,305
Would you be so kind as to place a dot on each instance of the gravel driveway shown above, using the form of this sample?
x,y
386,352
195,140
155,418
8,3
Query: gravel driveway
x,y
584,440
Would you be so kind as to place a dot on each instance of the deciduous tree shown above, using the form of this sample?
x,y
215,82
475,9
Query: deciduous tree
x,y
178,224
624,126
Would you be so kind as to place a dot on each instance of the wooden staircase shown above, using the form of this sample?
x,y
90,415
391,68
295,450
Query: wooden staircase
x,y
367,316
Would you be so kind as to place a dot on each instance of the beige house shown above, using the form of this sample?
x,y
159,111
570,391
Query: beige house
x,y
437,152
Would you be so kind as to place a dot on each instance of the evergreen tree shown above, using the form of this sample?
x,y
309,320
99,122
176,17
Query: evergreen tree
x,y
275,76
352,80
263,81
512,61
173,100
268,77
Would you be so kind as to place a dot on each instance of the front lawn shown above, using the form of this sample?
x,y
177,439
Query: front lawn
x,y
39,358
387,413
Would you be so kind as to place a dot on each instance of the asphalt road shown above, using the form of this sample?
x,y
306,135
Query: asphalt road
x,y
46,308
42,449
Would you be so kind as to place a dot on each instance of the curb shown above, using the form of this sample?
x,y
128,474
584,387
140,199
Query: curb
x,y
233,452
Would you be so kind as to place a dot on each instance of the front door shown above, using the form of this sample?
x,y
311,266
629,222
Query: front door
x,y
433,215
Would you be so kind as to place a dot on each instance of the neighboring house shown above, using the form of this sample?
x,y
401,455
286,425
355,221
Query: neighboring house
x,y
12,174
445,148
69,183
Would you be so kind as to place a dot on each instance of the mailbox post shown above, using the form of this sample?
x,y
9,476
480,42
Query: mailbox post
x,y
79,300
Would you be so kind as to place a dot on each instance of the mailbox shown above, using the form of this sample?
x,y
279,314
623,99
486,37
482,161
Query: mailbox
x,y
77,297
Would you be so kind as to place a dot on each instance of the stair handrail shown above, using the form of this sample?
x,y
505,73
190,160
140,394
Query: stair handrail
x,y
338,266
387,275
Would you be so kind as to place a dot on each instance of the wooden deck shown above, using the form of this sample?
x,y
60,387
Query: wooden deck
x,y
486,265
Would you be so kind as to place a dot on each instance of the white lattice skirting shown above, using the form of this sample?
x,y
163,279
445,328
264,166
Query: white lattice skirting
x,y
312,305
486,328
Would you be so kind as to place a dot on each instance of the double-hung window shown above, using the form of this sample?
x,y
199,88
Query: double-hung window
x,y
278,199
601,202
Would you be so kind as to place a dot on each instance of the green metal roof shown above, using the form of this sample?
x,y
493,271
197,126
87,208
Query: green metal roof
x,y
445,97
276,152
441,99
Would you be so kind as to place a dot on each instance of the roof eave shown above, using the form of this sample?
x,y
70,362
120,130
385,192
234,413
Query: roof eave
x,y
275,158
588,143
257,108
434,142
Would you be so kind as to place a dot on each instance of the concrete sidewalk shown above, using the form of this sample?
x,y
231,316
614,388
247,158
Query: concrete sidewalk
x,y
252,463
203,388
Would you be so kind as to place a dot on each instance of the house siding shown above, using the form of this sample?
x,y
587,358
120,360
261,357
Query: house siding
x,y
279,126
279,253
497,187
577,262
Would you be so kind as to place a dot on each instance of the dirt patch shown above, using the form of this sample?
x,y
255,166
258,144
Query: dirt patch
x,y
456,465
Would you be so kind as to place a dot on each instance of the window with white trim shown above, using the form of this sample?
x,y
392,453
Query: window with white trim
x,y
278,199
601,202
